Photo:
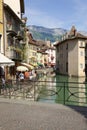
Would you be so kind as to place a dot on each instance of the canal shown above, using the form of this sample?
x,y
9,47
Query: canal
x,y
48,88
64,90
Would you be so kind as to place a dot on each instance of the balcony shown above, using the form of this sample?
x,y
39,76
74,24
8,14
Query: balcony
x,y
14,53
20,35
11,29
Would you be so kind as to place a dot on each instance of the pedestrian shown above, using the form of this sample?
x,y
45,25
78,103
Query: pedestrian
x,y
35,75
26,74
30,75
21,76
17,76
3,82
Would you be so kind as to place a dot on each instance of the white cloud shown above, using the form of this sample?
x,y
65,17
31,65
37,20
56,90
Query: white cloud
x,y
38,17
76,16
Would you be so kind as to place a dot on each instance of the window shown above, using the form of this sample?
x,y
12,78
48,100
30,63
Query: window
x,y
34,53
81,44
81,66
81,53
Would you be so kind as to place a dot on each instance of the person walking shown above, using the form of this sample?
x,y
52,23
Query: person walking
x,y
21,77
3,82
26,74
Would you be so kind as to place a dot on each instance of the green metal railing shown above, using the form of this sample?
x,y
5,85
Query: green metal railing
x,y
70,93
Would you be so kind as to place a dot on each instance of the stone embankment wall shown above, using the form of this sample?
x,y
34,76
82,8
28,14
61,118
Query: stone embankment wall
x,y
44,70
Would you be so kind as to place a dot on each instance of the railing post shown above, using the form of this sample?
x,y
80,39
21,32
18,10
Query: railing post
x,y
9,93
34,89
64,93
0,88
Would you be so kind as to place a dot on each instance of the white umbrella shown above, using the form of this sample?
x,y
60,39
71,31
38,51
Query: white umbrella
x,y
27,65
22,68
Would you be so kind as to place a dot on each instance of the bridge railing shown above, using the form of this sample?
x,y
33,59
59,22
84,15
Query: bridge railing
x,y
71,93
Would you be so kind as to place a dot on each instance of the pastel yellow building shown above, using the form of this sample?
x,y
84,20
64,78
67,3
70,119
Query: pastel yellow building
x,y
1,26
40,58
31,50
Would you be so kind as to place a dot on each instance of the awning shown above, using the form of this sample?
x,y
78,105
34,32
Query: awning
x,y
27,65
34,65
5,61
40,64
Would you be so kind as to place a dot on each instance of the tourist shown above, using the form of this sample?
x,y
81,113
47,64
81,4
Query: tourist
x,y
26,74
3,82
30,75
21,76
35,75
17,76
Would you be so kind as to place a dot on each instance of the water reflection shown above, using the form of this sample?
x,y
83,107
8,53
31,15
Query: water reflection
x,y
75,92
64,89
47,93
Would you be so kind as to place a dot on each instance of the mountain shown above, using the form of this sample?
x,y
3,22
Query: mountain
x,y
52,34
43,33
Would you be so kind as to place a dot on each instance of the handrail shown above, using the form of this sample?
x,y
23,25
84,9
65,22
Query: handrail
x,y
70,93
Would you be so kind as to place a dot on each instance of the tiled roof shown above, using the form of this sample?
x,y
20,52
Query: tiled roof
x,y
42,45
31,40
73,34
79,35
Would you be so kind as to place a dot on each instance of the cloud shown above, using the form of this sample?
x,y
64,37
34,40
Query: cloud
x,y
72,14
39,17
80,8
80,14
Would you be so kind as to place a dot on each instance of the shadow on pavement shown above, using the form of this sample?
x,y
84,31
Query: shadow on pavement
x,y
82,110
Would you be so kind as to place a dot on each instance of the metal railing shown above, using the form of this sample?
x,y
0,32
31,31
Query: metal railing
x,y
70,93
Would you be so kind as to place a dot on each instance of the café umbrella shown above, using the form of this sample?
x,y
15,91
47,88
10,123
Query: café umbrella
x,y
27,65
22,68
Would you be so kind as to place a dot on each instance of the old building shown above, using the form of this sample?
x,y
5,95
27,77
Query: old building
x,y
42,56
31,50
1,27
51,54
70,54
17,6
13,36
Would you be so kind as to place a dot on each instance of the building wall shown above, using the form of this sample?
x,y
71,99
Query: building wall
x,y
1,16
62,58
71,57
1,27
81,55
40,58
15,6
32,54
51,56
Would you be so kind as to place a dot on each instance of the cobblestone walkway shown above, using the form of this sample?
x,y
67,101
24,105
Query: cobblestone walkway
x,y
25,115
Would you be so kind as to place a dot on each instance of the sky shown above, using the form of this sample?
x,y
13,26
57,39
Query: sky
x,y
57,13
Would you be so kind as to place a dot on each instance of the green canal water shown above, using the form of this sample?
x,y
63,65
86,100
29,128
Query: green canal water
x,y
64,90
